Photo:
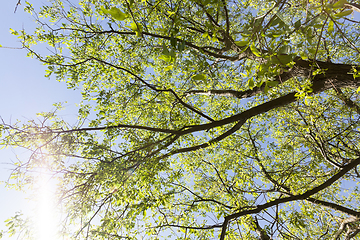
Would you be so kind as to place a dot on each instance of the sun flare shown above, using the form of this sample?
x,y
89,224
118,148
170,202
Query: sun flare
x,y
46,214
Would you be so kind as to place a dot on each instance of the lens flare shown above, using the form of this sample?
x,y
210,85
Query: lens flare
x,y
46,214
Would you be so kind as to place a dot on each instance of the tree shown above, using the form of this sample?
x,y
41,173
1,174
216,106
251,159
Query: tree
x,y
201,119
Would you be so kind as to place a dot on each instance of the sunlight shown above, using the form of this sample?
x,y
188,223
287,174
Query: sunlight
x,y
46,215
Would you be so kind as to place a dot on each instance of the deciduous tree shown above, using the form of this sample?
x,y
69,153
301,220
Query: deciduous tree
x,y
201,119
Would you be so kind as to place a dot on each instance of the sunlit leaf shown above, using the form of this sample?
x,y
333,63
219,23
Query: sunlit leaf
x,y
343,14
137,28
254,50
331,27
166,58
168,68
242,43
115,13
339,4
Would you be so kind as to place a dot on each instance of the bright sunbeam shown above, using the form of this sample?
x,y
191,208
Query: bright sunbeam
x,y
46,217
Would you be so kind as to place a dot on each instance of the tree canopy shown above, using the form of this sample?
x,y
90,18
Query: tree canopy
x,y
200,119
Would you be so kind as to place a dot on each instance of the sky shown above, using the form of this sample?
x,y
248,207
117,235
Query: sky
x,y
24,92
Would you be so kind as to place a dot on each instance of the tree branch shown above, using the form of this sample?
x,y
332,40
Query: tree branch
x,y
119,126
353,6
261,232
302,196
343,224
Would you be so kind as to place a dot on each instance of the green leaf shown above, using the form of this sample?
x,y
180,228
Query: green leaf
x,y
136,28
272,83
339,4
199,76
171,13
242,43
181,45
173,41
275,34
257,22
297,24
251,83
214,38
205,35
115,13
343,14
276,20
358,90
173,54
13,32
286,49
308,100
165,50
266,89
104,10
282,59
303,56
281,20
254,50
168,68
206,2
166,58
331,27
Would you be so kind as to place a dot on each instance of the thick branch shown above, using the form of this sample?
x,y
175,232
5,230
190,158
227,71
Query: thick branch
x,y
303,196
232,130
343,224
227,93
336,75
353,6
261,232
262,108
335,206
287,190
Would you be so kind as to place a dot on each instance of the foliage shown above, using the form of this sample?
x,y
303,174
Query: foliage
x,y
200,119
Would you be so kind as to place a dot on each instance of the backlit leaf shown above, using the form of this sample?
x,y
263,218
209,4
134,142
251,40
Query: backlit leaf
x,y
339,4
331,27
242,43
254,50
115,13
343,14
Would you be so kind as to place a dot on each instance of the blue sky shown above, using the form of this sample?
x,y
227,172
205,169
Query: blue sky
x,y
24,92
